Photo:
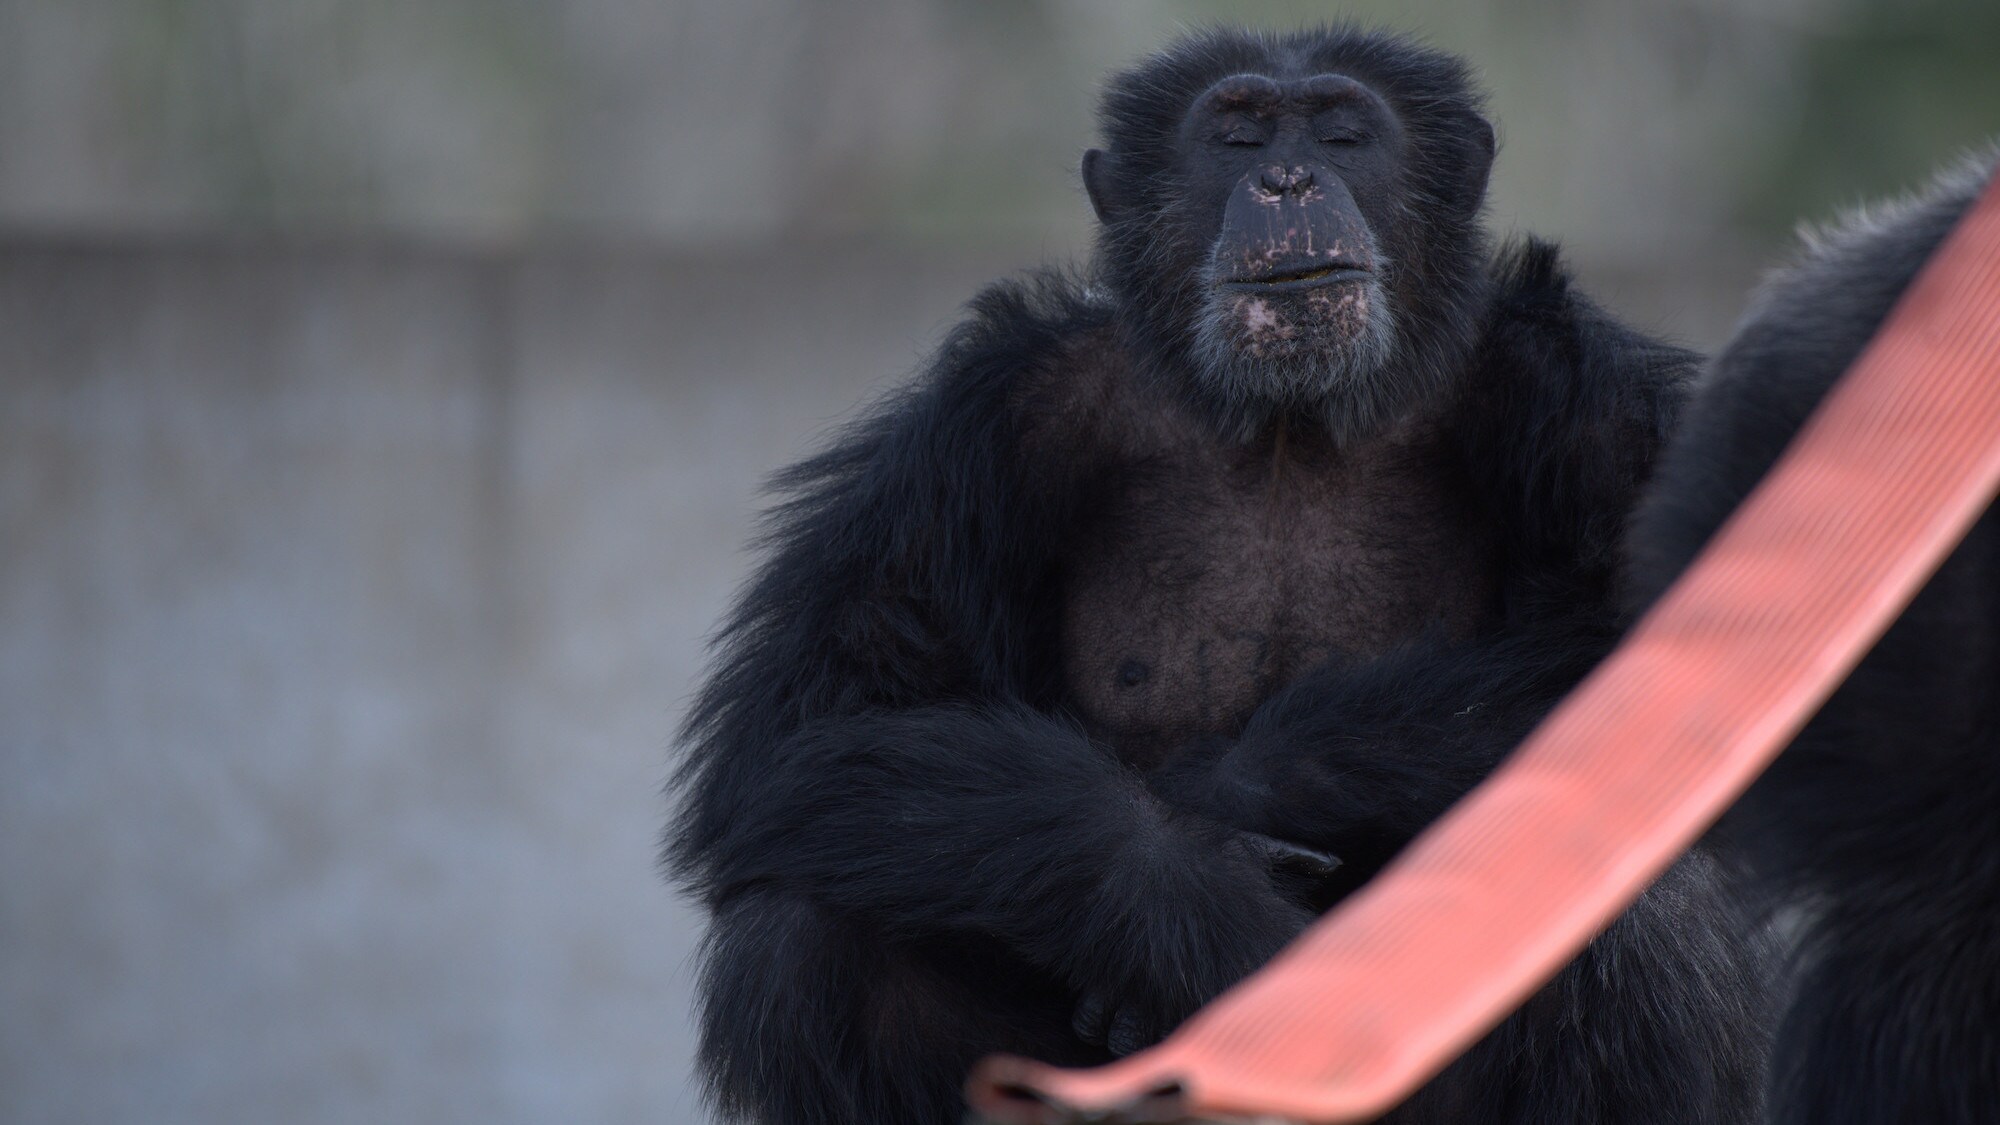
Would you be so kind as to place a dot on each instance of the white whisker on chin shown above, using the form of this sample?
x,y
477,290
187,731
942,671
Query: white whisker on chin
x,y
1323,353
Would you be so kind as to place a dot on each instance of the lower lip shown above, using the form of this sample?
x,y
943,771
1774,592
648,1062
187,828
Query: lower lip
x,y
1334,278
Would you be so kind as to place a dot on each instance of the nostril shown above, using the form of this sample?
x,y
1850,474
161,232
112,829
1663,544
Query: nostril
x,y
1278,179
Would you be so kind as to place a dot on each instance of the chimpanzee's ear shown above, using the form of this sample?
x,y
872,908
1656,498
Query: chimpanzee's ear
x,y
1097,174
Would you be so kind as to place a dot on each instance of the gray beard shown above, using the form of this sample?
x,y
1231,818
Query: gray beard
x,y
1321,355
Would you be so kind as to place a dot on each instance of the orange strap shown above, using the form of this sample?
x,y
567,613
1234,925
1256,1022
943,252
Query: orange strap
x,y
1882,482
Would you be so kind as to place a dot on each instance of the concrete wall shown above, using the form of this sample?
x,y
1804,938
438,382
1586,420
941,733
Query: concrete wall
x,y
348,598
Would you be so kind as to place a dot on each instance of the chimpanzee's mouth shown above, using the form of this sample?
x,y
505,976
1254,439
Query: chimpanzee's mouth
x,y
1303,277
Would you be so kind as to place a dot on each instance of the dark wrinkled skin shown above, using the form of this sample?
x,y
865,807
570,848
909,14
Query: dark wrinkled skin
x,y
1073,667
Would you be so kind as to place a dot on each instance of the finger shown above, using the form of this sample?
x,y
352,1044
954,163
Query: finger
x,y
1294,859
1129,1034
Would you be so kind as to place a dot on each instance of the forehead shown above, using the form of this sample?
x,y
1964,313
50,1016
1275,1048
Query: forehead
x,y
1265,93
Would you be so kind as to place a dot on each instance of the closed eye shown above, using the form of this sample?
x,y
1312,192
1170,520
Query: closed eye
x,y
1242,137
1345,139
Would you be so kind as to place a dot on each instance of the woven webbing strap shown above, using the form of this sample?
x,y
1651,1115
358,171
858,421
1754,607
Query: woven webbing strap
x,y
1882,482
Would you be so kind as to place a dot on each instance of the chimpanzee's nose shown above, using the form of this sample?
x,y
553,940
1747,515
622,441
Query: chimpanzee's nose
x,y
1279,180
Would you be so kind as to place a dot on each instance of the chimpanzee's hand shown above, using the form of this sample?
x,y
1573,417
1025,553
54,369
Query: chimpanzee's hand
x,y
1332,795
1122,1025
1297,871
1235,783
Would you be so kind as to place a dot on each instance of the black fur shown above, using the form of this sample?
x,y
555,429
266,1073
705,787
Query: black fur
x,y
918,850
1880,820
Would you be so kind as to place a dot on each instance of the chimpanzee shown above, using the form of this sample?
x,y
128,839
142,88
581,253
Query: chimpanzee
x,y
1881,822
1074,664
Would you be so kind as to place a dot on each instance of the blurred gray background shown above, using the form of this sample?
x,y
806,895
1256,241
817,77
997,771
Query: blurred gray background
x,y
384,387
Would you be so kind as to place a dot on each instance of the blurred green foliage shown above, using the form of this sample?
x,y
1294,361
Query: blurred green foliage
x,y
1892,91
1638,132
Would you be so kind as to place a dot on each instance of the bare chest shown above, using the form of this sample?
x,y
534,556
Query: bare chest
x,y
1207,578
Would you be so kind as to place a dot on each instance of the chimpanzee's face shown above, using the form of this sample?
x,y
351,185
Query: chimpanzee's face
x,y
1267,233
1293,305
